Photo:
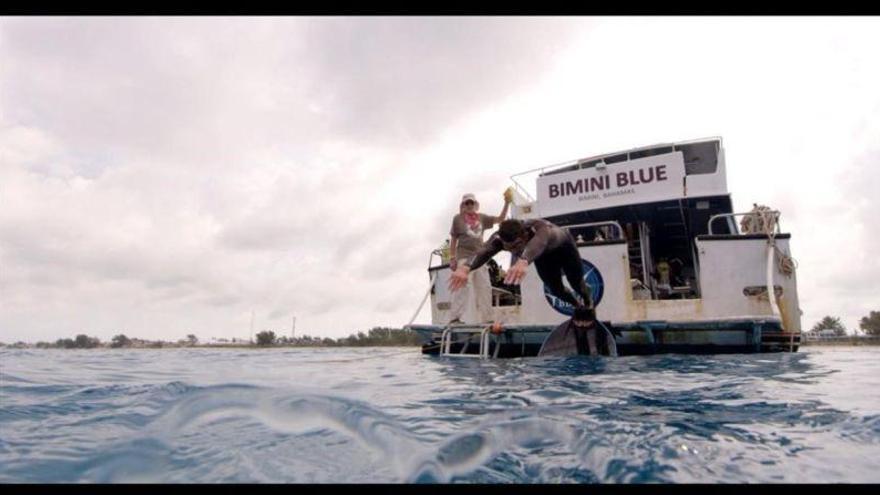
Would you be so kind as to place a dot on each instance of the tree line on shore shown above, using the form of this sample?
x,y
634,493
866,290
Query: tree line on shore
x,y
377,336
869,325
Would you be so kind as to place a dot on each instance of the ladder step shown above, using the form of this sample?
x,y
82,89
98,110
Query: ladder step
x,y
446,342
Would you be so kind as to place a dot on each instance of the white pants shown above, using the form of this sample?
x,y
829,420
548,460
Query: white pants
x,y
479,279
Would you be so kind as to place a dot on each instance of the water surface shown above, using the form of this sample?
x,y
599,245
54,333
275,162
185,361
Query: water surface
x,y
378,415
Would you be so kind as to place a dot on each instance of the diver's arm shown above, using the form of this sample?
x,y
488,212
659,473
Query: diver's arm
x,y
517,272
489,249
459,277
537,244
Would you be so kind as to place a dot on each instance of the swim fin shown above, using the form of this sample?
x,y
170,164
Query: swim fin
x,y
569,340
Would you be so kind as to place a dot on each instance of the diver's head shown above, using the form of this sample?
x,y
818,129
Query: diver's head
x,y
513,234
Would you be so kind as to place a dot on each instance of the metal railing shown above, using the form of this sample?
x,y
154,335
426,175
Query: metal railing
x,y
523,190
732,224
611,223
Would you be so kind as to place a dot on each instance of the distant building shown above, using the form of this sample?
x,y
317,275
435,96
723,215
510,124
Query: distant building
x,y
823,334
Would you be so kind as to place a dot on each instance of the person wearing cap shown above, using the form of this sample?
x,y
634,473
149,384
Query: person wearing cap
x,y
466,239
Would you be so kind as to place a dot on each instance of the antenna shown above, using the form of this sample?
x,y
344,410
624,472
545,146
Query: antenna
x,y
293,328
252,326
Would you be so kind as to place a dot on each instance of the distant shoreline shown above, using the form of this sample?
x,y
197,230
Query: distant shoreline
x,y
209,346
849,342
375,337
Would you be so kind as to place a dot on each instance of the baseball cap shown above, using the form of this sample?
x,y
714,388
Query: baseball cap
x,y
469,196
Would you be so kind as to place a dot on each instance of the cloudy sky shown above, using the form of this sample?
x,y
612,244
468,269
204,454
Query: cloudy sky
x,y
166,176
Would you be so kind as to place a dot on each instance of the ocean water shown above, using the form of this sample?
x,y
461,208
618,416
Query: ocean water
x,y
392,415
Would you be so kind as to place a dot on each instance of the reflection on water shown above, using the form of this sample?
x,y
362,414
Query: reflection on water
x,y
393,415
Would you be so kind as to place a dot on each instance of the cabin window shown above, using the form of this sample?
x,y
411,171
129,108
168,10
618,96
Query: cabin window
x,y
562,170
590,163
650,152
699,158
617,158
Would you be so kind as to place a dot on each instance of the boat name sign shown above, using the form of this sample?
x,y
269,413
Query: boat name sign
x,y
644,180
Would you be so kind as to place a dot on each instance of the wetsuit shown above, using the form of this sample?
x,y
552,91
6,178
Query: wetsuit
x,y
554,252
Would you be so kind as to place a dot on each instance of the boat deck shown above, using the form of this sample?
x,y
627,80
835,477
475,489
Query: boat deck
x,y
637,338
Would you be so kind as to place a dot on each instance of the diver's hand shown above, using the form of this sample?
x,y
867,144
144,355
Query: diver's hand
x,y
516,272
453,264
459,278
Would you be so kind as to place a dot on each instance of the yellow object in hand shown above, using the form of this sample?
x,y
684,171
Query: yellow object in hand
x,y
508,195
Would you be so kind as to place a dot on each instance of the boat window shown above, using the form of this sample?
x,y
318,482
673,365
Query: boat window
x,y
699,158
590,163
617,158
560,170
650,152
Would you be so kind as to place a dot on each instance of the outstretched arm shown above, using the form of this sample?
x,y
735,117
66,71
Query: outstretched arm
x,y
503,214
533,249
516,272
459,277
490,249
537,244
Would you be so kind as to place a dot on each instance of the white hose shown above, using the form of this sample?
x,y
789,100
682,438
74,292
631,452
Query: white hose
x,y
427,293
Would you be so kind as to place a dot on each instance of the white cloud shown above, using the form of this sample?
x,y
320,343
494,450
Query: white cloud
x,y
164,176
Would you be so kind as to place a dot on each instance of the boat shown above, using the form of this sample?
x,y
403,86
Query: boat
x,y
672,268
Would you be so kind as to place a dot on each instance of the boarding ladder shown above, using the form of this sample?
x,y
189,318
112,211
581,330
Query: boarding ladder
x,y
634,250
638,251
483,333
449,331
674,222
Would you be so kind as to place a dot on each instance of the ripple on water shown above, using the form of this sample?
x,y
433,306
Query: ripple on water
x,y
344,415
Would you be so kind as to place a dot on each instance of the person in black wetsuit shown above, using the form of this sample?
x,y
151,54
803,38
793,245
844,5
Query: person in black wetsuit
x,y
549,247
554,253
